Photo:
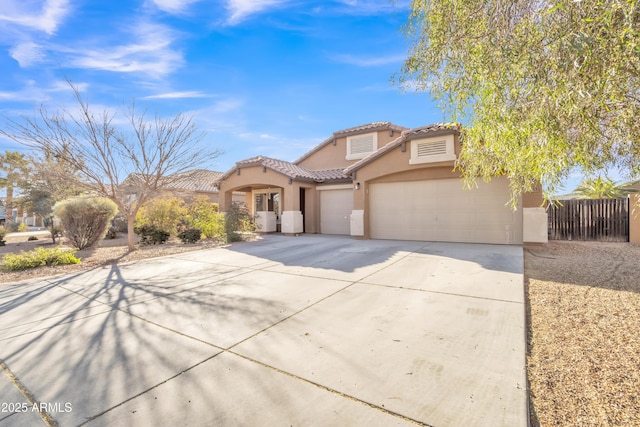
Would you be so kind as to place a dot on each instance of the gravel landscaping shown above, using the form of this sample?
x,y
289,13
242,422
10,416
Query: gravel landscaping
x,y
109,251
583,310
584,333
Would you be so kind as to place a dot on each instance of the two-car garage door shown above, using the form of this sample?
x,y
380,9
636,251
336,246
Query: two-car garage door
x,y
441,210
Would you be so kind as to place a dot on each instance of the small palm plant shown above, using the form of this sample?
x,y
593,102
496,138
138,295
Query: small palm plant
x,y
599,188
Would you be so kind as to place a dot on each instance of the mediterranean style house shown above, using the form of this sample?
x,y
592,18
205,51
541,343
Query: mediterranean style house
x,y
382,181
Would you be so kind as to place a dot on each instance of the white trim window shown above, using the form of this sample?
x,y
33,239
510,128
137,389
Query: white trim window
x,y
360,146
431,150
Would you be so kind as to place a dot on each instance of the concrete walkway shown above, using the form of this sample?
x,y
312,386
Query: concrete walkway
x,y
310,330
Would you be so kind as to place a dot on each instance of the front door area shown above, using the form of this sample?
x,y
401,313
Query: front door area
x,y
267,207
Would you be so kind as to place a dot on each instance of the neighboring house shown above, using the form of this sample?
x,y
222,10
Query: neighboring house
x,y
631,187
3,213
199,183
383,181
189,185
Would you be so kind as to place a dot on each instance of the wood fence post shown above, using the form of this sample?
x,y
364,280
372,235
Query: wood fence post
x,y
634,218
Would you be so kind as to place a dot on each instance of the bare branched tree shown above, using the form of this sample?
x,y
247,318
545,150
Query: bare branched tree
x,y
128,161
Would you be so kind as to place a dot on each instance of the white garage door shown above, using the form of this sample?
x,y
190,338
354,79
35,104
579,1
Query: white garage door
x,y
441,210
335,211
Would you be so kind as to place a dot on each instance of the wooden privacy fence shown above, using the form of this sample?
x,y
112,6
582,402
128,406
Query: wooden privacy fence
x,y
590,219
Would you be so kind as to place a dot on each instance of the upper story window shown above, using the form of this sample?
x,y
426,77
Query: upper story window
x,y
360,146
430,150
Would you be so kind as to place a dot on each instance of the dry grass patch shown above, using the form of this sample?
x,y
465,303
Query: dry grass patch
x,y
584,333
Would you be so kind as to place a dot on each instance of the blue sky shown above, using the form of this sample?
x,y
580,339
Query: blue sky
x,y
261,77
269,77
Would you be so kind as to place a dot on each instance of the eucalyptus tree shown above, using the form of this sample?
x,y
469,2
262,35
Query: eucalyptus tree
x,y
542,86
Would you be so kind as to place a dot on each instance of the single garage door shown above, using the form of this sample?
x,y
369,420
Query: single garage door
x,y
335,211
442,210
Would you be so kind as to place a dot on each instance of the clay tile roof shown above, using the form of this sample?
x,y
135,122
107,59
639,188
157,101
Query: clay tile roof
x,y
196,180
404,136
352,131
289,169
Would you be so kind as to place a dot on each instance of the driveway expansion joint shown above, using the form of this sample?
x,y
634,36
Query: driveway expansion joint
x,y
331,390
46,417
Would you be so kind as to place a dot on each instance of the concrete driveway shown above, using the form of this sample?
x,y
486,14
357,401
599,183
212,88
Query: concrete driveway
x,y
310,330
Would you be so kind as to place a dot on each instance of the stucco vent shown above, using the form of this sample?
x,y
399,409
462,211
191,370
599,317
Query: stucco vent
x,y
363,144
359,146
432,148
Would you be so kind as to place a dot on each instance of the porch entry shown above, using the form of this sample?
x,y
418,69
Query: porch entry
x,y
267,207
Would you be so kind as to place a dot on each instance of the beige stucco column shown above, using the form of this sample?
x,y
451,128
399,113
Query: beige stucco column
x,y
634,218
225,198
292,220
534,218
357,214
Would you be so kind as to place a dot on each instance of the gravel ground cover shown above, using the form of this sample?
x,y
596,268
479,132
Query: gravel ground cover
x,y
584,333
109,251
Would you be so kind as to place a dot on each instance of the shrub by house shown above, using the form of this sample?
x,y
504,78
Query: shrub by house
x,y
85,220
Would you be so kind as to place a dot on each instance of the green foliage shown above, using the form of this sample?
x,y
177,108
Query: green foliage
x,y
22,227
85,220
599,188
204,215
163,214
190,235
39,257
238,221
541,86
151,235
16,171
11,226
119,223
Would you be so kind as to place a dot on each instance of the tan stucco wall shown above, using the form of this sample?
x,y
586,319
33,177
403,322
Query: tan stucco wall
x,y
533,199
393,167
335,156
634,218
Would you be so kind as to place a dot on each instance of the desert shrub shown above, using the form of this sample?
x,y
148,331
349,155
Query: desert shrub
x,y
163,213
151,235
3,232
119,223
111,233
238,221
11,226
204,215
85,220
56,230
32,238
22,227
190,235
39,257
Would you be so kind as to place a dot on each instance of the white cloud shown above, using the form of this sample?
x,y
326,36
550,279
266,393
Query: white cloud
x,y
242,9
34,93
368,61
27,53
226,106
175,7
177,95
42,15
372,7
150,53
